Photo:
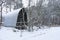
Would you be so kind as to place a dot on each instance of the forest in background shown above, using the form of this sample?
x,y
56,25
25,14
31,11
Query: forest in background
x,y
48,11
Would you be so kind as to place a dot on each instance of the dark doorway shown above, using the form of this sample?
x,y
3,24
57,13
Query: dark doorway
x,y
22,18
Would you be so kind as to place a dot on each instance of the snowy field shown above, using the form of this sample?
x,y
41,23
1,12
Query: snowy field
x,y
52,33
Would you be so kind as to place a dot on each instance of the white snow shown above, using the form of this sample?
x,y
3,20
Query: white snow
x,y
11,18
52,33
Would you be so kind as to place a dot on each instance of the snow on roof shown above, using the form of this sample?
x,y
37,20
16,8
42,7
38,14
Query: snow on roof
x,y
13,12
11,18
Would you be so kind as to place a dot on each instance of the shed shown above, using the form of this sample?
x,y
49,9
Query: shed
x,y
16,18
19,17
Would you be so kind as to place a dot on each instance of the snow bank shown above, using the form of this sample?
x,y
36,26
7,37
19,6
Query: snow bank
x,y
42,34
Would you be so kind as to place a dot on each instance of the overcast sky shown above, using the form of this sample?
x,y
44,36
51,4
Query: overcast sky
x,y
26,2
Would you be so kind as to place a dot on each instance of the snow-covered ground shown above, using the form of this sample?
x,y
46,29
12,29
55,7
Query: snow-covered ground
x,y
52,33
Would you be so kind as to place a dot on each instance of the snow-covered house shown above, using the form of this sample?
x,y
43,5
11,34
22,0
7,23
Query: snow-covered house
x,y
16,18
20,17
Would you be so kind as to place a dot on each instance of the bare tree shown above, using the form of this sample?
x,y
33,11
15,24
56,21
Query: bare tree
x,y
1,3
